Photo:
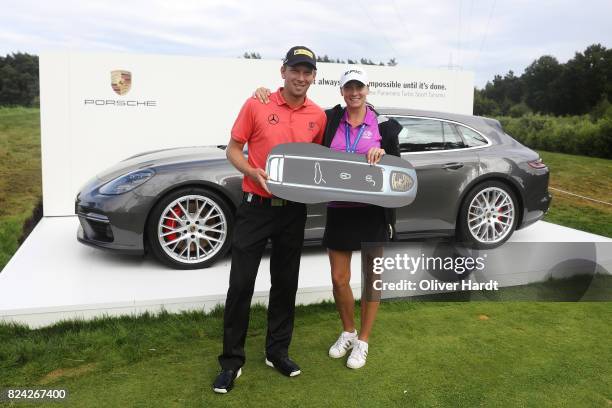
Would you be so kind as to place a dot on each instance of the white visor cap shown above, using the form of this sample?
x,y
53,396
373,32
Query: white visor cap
x,y
354,74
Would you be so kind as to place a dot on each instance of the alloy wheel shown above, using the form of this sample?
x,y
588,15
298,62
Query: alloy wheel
x,y
491,214
192,229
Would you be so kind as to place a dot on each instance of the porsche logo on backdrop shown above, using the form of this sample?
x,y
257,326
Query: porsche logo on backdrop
x,y
121,81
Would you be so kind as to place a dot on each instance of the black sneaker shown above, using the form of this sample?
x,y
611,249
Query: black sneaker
x,y
225,381
284,365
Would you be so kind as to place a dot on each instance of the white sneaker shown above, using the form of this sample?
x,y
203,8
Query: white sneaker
x,y
344,342
358,356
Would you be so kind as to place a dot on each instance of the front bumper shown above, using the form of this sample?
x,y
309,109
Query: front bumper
x,y
84,239
112,222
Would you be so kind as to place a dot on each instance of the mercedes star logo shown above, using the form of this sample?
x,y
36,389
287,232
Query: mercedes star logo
x,y
273,119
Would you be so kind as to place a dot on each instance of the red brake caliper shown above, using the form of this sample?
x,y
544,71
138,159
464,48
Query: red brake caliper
x,y
500,216
171,224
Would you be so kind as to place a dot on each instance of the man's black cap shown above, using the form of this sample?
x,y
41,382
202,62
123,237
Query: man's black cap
x,y
300,55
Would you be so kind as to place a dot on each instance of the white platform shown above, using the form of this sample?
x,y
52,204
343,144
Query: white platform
x,y
53,277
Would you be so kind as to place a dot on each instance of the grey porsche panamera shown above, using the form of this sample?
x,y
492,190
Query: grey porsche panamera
x,y
476,183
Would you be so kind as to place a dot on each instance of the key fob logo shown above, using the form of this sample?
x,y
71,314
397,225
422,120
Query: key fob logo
x,y
369,179
318,176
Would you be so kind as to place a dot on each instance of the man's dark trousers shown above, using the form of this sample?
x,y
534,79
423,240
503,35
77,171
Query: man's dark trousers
x,y
256,221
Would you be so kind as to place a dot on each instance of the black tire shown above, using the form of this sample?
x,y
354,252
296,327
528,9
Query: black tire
x,y
468,237
192,236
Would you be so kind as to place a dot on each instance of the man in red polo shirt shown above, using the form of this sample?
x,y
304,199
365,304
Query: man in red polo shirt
x,y
290,117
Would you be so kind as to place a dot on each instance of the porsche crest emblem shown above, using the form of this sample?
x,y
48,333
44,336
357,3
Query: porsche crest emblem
x,y
121,81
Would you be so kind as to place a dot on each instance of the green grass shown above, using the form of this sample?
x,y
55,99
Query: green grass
x,y
20,174
475,354
586,176
489,354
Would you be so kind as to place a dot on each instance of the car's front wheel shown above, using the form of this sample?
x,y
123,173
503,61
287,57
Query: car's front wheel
x,y
190,228
488,215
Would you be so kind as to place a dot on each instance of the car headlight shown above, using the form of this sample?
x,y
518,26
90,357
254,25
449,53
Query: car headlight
x,y
127,182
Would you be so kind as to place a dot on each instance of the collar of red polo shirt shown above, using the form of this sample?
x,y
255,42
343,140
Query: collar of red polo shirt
x,y
277,97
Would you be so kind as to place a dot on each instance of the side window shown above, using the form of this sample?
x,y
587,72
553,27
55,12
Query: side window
x,y
422,135
472,139
451,139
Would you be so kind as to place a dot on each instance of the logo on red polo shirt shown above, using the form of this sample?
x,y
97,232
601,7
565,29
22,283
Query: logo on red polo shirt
x,y
273,119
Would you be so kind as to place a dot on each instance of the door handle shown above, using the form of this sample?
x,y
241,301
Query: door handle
x,y
452,166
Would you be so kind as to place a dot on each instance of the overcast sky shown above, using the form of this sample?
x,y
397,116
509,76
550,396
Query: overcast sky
x,y
487,37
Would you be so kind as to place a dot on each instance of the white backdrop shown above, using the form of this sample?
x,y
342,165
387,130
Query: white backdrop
x,y
185,101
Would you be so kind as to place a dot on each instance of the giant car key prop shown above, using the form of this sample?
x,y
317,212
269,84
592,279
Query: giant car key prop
x,y
310,173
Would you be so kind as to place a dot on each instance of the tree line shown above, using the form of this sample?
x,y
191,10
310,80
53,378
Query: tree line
x,y
363,61
19,80
581,85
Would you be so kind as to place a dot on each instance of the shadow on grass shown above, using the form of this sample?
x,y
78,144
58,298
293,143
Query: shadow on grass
x,y
589,288
30,223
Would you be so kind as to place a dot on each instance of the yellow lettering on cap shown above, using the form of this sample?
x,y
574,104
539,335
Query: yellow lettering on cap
x,y
302,51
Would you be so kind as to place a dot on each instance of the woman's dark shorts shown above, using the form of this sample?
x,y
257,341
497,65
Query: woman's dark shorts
x,y
348,227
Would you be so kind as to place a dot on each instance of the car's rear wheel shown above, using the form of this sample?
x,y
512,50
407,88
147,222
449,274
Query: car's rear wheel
x,y
190,228
488,215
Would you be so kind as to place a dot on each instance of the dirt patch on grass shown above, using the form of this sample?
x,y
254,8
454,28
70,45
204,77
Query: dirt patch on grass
x,y
67,373
483,317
